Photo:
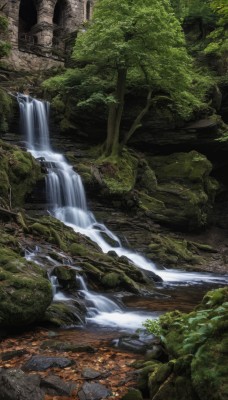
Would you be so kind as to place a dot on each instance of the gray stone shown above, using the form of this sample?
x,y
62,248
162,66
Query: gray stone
x,y
16,385
93,391
89,373
53,385
39,363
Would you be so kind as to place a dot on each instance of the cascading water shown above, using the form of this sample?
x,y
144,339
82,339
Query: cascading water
x,y
66,196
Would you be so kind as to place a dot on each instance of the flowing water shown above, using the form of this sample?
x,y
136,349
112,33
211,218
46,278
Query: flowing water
x,y
67,199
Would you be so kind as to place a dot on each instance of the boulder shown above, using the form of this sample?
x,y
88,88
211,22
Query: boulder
x,y
25,293
15,384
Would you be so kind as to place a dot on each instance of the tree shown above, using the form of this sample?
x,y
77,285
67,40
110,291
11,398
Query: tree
x,y
140,40
219,37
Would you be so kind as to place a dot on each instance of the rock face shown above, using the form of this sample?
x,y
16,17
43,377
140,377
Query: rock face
x,y
175,190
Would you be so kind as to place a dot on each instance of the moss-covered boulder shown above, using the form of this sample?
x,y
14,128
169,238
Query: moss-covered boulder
x,y
174,251
25,293
197,345
199,342
19,172
185,192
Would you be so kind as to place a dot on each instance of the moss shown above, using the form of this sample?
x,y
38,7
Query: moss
x,y
77,249
192,166
174,252
19,172
5,107
66,276
41,229
62,314
119,174
24,292
111,280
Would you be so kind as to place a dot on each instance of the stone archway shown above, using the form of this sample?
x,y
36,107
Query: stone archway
x,y
62,22
27,21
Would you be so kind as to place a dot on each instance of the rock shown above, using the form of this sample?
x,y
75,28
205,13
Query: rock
x,y
185,192
67,346
93,391
89,373
25,293
39,363
132,344
53,385
18,173
15,385
132,394
65,314
8,355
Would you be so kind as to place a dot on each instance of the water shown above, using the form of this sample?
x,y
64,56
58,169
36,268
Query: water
x,y
67,200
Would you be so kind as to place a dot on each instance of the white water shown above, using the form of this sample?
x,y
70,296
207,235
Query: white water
x,y
66,196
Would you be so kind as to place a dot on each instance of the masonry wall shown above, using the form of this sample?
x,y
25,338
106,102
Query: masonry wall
x,y
38,30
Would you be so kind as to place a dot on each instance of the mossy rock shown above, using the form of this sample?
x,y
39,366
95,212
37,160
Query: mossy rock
x,y
19,173
167,250
66,276
118,175
6,108
25,293
179,167
199,341
63,314
185,192
111,280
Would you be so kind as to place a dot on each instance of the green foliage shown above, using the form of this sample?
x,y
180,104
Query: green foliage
x,y
219,37
153,326
193,9
4,46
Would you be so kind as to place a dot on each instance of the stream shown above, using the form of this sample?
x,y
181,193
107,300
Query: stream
x,y
67,199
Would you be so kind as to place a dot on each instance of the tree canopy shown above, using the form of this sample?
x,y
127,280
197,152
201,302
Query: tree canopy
x,y
141,41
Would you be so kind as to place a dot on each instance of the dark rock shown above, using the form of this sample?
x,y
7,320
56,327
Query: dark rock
x,y
93,391
132,344
53,385
89,373
39,363
67,346
8,355
132,394
15,385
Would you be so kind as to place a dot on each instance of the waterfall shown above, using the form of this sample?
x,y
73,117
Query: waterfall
x,y
66,195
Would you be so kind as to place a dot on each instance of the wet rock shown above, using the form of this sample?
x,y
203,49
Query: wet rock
x,y
89,373
53,385
132,344
61,314
15,384
39,363
67,346
93,391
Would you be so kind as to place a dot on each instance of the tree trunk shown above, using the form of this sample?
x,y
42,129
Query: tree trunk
x,y
115,115
137,122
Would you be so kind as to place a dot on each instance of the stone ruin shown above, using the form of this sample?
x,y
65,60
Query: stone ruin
x,y
41,32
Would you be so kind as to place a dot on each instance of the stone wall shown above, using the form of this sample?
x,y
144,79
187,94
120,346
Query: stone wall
x,y
24,61
41,27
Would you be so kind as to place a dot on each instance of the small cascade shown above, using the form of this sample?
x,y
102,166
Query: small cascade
x,y
106,313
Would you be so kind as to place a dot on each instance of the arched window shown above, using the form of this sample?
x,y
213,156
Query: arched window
x,y
88,10
61,21
27,19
